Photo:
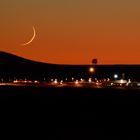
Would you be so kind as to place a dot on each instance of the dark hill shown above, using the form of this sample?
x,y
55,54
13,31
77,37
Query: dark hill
x,y
14,59
8,58
15,66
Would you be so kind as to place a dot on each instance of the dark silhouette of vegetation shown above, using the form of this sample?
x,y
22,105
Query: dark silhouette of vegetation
x,y
94,61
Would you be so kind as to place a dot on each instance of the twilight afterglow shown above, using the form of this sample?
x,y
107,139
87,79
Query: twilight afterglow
x,y
72,31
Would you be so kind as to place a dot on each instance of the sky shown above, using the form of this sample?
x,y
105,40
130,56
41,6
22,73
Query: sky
x,y
72,31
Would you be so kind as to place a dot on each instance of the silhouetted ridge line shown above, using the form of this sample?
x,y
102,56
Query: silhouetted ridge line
x,y
12,58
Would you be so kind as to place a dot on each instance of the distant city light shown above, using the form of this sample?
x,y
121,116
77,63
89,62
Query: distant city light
x,y
91,69
61,82
82,80
76,82
55,81
138,84
25,81
97,83
112,84
15,81
129,80
121,81
115,76
108,79
36,81
104,80
89,80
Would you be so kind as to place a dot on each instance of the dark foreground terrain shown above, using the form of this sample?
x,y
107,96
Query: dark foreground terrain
x,y
69,113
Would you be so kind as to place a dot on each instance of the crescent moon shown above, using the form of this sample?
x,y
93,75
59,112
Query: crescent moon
x,y
31,40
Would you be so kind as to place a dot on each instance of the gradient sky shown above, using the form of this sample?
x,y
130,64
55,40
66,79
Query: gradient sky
x,y
72,31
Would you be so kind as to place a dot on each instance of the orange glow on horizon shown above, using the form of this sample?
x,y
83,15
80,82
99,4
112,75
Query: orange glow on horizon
x,y
72,32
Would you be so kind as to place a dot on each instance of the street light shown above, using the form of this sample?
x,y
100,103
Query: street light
x,y
91,69
115,76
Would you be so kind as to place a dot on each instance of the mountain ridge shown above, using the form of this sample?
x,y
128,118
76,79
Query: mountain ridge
x,y
9,57
12,58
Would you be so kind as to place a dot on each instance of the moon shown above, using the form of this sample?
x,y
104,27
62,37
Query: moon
x,y
33,37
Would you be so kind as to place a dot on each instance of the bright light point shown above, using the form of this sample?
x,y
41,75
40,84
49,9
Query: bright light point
x,y
129,80
108,79
97,83
15,81
91,69
115,76
138,84
76,82
55,81
72,78
89,80
61,82
121,81
36,81
111,84
25,81
82,80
